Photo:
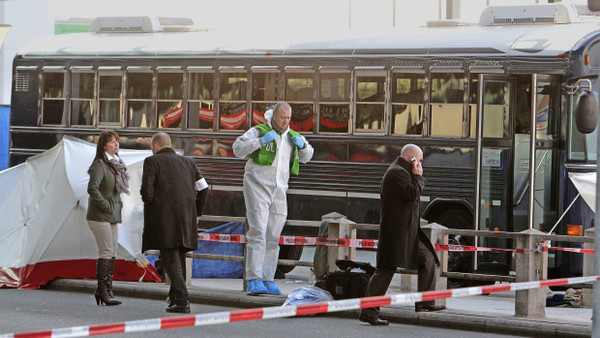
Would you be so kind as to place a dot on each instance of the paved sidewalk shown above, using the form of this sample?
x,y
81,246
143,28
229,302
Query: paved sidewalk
x,y
489,313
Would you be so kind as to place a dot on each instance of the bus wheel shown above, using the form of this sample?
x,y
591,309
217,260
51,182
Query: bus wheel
x,y
289,252
457,261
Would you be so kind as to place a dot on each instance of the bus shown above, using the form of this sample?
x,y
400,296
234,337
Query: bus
x,y
491,105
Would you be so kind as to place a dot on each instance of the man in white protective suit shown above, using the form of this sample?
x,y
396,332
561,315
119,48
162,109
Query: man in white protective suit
x,y
273,150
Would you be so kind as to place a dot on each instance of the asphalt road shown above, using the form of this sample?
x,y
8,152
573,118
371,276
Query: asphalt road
x,y
34,310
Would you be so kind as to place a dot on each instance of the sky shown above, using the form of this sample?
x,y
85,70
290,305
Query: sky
x,y
280,16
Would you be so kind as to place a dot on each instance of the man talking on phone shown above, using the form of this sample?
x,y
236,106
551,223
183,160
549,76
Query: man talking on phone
x,y
402,243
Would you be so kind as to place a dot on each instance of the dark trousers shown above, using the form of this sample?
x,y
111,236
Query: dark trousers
x,y
174,262
381,279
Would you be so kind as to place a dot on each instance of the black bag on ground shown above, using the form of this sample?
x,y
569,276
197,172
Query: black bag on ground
x,y
345,283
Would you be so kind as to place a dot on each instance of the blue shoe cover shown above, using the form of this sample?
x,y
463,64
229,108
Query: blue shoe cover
x,y
272,288
256,287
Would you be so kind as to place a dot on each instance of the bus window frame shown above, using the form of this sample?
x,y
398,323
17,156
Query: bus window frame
x,y
430,103
246,101
64,98
424,104
188,89
315,90
268,103
158,100
336,70
153,112
355,101
110,72
78,99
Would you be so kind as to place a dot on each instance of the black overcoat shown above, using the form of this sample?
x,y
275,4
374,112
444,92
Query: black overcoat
x,y
400,221
169,196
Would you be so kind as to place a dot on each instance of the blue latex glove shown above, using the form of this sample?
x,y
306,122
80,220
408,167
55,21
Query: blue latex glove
x,y
268,137
298,141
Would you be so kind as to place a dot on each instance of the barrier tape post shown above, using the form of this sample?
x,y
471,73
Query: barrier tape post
x,y
291,310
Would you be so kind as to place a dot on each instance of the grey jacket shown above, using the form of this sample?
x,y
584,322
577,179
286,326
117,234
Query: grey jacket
x,y
105,203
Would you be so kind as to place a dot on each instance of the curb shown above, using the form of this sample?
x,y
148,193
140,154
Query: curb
x,y
452,319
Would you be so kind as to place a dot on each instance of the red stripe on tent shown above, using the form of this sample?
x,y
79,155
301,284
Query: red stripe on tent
x,y
34,275
38,334
241,315
375,301
430,295
495,288
553,282
106,329
306,309
179,321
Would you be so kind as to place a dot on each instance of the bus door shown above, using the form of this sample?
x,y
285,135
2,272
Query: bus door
x,y
493,177
545,100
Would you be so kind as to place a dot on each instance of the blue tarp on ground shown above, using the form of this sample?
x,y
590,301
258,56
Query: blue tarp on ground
x,y
4,130
208,268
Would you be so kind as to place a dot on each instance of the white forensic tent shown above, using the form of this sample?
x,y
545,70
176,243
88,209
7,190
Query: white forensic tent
x,y
44,231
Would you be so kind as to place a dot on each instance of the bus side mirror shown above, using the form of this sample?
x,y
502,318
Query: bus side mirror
x,y
586,113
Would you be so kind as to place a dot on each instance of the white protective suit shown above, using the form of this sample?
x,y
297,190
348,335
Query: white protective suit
x,y
265,189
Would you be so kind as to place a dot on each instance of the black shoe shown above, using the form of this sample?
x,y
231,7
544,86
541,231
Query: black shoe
x,y
429,308
373,321
179,308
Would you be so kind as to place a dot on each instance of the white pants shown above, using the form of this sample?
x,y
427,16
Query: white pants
x,y
263,244
106,235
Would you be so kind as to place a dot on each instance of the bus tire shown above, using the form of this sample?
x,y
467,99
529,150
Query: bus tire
x,y
457,261
289,252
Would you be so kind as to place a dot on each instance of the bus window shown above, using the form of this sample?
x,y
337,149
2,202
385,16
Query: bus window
x,y
334,107
54,99
170,96
447,91
139,99
201,103
496,109
408,92
232,101
299,93
109,100
265,91
370,102
82,98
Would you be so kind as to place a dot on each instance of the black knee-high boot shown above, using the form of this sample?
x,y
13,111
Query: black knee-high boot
x,y
104,274
109,284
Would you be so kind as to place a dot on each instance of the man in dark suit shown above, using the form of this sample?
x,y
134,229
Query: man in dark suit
x,y
402,243
174,193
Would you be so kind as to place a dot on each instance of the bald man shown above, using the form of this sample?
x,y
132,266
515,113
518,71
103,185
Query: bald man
x,y
402,243
174,193
273,151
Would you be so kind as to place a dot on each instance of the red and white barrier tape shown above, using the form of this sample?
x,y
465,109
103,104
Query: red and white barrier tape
x,y
291,310
296,240
467,248
372,243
